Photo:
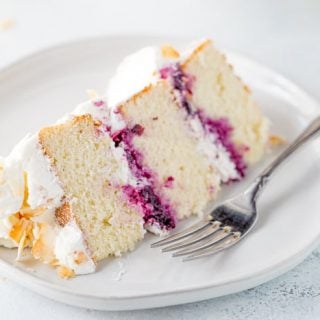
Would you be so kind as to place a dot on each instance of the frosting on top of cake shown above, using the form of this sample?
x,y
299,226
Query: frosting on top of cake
x,y
134,73
140,69
27,166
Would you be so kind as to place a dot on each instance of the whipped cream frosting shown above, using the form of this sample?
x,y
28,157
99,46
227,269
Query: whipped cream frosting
x,y
27,168
11,186
5,240
27,164
215,152
135,73
69,244
140,69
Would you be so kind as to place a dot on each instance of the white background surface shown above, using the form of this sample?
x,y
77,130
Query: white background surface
x,y
281,34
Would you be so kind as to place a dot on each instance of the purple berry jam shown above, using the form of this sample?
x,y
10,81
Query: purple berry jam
x,y
155,210
169,182
134,157
99,103
223,130
183,83
137,129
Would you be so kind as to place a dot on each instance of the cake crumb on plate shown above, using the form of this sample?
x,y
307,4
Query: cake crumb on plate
x,y
6,24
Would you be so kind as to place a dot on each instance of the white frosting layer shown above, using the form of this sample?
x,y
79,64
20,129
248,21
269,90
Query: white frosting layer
x,y
214,151
43,186
100,113
11,186
156,229
5,227
104,113
69,244
66,243
134,73
123,174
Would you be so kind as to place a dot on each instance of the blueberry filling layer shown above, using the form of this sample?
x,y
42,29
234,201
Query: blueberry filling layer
x,y
156,211
181,82
220,128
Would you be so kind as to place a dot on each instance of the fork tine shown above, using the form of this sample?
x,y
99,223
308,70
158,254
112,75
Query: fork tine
x,y
195,238
225,243
216,238
183,234
194,247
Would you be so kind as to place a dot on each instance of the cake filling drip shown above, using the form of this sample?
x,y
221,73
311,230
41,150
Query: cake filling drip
x,y
214,135
156,211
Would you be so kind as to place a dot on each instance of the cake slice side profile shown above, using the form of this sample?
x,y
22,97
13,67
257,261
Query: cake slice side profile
x,y
172,129
65,200
218,93
88,172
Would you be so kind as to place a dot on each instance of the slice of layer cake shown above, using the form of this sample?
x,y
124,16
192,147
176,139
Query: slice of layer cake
x,y
171,130
61,196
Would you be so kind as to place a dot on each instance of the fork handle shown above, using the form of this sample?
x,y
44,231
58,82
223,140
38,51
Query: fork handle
x,y
310,132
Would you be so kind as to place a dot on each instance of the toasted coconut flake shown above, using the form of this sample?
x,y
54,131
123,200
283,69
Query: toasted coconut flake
x,y
63,214
22,234
54,263
26,191
65,273
80,257
275,140
29,213
40,249
169,52
6,24
21,245
22,226
14,219
26,232
92,94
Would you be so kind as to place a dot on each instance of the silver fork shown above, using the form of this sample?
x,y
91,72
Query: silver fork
x,y
232,220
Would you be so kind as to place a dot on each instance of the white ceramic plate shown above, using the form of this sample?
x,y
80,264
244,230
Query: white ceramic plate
x,y
39,89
